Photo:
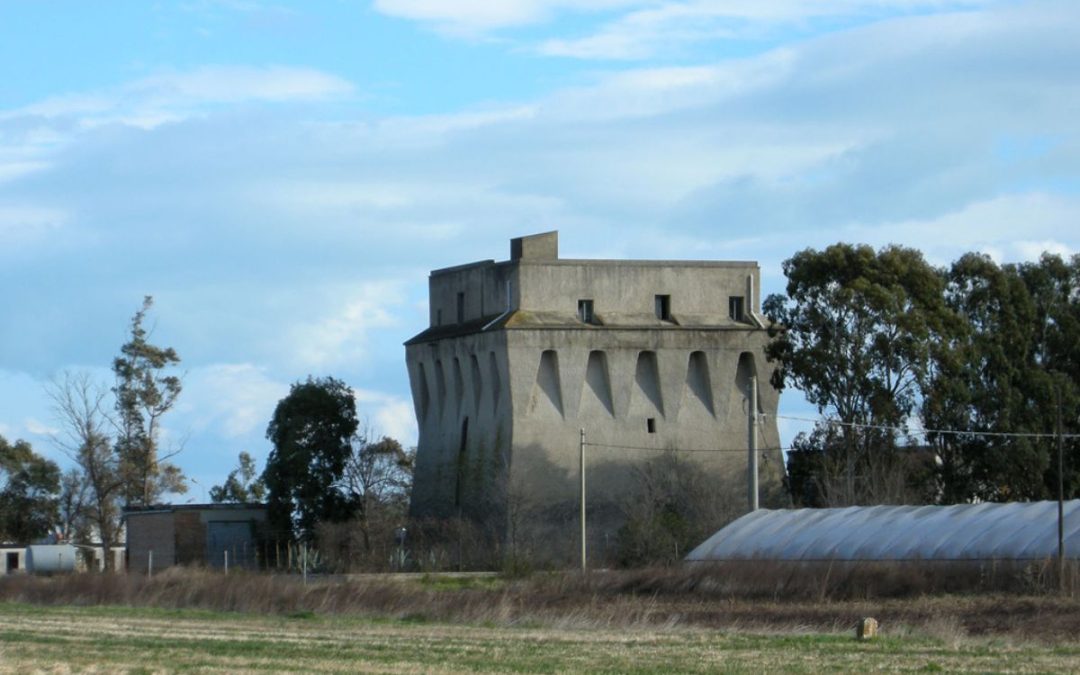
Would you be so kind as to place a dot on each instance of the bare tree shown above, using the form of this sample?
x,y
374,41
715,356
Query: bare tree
x,y
377,479
79,405
673,507
74,493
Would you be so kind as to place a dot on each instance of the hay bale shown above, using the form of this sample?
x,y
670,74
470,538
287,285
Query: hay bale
x,y
867,629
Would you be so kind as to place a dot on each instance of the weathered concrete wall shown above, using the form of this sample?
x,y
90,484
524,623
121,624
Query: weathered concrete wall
x,y
501,398
480,287
461,396
624,292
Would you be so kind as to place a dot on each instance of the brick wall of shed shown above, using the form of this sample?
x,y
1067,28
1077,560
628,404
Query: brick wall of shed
x,y
190,538
148,532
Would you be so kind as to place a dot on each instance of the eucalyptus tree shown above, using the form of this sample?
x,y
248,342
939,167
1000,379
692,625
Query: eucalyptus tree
x,y
242,485
146,389
854,333
1001,380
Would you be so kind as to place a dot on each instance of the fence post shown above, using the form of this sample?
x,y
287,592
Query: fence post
x,y
150,563
226,552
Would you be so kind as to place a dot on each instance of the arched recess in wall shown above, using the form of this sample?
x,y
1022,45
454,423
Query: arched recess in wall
x,y
459,386
699,383
477,381
597,391
547,391
496,382
440,388
647,393
425,393
463,445
745,370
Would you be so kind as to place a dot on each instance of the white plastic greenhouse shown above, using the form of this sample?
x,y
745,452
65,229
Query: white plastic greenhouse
x,y
1015,531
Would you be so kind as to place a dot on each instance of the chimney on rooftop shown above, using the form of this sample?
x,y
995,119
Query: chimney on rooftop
x,y
543,246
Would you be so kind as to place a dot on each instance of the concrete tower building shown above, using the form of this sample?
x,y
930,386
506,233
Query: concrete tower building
x,y
645,356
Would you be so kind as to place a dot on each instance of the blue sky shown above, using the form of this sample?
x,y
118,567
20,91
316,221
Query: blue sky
x,y
282,176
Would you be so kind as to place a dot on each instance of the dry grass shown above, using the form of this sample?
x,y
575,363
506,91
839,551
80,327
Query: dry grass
x,y
771,599
65,639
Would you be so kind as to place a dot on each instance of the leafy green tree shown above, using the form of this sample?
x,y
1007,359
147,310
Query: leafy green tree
x,y
1014,356
28,496
855,333
311,431
144,393
243,484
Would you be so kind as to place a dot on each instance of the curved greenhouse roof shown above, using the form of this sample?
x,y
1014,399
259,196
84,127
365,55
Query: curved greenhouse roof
x,y
1015,531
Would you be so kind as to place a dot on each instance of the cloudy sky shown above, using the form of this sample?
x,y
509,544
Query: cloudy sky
x,y
282,176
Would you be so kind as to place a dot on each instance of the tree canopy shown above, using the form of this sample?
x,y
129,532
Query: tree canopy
x,y
983,356
311,431
29,484
1010,366
856,340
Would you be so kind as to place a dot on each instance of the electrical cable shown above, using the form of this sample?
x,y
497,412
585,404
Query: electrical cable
x,y
924,432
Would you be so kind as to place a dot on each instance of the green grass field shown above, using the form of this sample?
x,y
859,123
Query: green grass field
x,y
145,640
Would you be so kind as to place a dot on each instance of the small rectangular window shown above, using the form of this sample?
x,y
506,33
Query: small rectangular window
x,y
461,308
663,307
438,317
585,311
735,307
650,424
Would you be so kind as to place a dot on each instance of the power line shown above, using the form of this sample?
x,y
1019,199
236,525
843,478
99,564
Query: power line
x,y
924,432
691,450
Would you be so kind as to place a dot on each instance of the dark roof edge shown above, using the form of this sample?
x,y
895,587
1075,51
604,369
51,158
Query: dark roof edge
x,y
168,508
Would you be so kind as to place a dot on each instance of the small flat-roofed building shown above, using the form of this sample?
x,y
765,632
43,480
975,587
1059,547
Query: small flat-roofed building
x,y
13,557
194,534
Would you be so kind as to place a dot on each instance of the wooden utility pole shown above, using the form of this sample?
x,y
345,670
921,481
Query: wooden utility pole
x,y
752,459
1061,493
581,461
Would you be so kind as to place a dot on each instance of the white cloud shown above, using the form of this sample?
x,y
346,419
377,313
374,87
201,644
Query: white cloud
x,y
990,226
39,428
342,334
642,28
17,169
388,415
234,400
470,17
1032,250
22,226
170,96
